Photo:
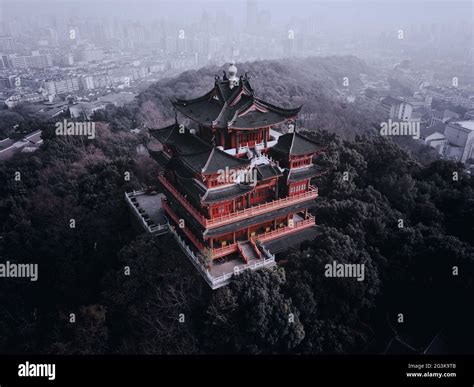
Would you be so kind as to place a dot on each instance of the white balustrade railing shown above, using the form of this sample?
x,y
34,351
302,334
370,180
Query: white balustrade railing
x,y
217,282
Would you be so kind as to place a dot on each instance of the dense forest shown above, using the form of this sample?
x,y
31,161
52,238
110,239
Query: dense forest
x,y
162,306
311,82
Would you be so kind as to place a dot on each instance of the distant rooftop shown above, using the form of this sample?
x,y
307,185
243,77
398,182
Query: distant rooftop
x,y
436,128
389,100
467,124
118,99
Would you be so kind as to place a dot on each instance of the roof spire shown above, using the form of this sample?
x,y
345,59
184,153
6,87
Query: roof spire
x,y
233,79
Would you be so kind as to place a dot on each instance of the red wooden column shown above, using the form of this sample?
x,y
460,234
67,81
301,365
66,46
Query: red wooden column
x,y
222,139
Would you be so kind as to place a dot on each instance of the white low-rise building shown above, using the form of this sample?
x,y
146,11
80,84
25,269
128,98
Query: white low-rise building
x,y
460,135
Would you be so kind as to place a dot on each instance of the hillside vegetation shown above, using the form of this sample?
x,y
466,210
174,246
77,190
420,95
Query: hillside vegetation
x,y
164,306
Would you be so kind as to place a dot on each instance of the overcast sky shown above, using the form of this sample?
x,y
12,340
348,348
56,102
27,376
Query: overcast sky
x,y
355,14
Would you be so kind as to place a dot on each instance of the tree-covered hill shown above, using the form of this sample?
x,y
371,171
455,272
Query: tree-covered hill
x,y
411,225
164,306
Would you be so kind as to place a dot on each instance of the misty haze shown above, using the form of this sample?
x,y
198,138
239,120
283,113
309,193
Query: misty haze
x,y
237,177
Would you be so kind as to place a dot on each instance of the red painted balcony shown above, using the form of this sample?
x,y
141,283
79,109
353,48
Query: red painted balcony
x,y
268,236
312,193
219,252
263,237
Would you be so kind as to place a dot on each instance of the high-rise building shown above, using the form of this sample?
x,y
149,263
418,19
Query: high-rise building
x,y
90,55
7,43
87,82
63,60
62,86
460,139
396,108
4,61
34,61
7,82
251,15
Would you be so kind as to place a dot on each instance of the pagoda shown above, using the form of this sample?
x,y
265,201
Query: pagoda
x,y
236,191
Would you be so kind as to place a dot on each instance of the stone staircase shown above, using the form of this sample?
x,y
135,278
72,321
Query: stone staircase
x,y
248,251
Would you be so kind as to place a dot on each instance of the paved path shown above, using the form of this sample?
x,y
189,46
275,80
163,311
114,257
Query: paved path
x,y
9,147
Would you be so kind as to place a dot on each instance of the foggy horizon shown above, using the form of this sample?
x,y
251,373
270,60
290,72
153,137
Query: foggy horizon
x,y
247,177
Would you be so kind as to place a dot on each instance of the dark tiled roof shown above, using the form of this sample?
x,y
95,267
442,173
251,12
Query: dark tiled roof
x,y
281,244
259,218
197,191
182,212
191,154
188,144
216,195
267,171
163,134
182,142
181,170
212,161
438,127
160,157
295,144
224,107
191,188
305,173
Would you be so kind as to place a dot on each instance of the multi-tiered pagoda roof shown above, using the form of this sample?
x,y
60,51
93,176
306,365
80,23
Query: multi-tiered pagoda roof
x,y
233,107
193,152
